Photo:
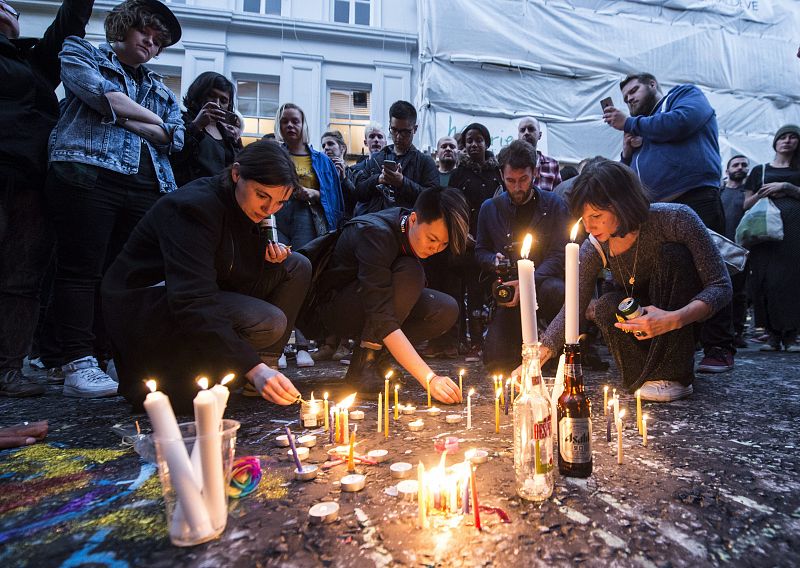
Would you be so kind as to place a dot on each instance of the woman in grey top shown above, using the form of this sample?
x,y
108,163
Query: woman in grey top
x,y
661,255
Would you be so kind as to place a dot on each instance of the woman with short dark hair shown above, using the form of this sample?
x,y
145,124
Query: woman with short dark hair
x,y
212,129
109,163
201,290
662,256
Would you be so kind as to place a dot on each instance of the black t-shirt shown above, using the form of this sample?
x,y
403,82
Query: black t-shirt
x,y
521,223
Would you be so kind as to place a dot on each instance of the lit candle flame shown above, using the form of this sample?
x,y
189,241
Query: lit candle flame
x,y
574,233
526,246
461,372
471,392
202,382
227,378
644,417
610,403
347,402
151,384
389,375
325,396
312,397
621,413
497,393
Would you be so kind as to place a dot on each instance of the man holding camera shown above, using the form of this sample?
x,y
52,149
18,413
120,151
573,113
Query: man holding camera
x,y
503,223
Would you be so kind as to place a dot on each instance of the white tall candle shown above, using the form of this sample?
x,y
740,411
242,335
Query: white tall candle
x,y
469,408
206,417
346,426
166,431
571,296
527,294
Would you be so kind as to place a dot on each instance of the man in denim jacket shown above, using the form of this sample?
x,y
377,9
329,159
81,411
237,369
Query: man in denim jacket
x,y
30,71
109,163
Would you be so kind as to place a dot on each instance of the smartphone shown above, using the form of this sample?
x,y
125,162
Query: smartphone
x,y
390,165
606,102
230,118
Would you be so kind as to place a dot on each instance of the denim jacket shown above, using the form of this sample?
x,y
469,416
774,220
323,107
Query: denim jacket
x,y
86,131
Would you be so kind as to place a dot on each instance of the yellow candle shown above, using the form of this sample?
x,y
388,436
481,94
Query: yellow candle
x,y
380,411
325,406
639,410
644,430
428,387
351,465
605,400
396,405
386,404
336,424
421,500
502,390
497,411
619,437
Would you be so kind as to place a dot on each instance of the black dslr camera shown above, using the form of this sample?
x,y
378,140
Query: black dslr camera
x,y
505,271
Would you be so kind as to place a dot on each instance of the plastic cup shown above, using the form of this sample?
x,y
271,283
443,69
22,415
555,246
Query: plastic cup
x,y
180,531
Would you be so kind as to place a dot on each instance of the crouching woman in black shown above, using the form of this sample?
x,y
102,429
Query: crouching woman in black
x,y
199,289
375,288
659,254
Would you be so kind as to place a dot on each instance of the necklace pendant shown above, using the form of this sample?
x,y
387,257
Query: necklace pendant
x,y
632,281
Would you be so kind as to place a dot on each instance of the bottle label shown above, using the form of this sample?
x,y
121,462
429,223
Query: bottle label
x,y
541,430
575,440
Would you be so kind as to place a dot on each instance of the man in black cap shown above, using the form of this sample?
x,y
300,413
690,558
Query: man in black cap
x,y
30,69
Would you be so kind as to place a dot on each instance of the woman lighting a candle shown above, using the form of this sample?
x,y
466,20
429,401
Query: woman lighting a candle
x,y
661,256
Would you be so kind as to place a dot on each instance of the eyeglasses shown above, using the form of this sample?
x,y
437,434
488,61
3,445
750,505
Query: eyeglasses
x,y
10,10
402,131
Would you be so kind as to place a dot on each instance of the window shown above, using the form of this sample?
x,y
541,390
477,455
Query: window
x,y
349,114
258,103
352,12
268,7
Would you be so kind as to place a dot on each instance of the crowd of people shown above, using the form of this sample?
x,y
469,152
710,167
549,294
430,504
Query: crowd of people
x,y
140,238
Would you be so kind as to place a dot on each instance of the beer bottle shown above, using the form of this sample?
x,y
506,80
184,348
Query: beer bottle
x,y
574,419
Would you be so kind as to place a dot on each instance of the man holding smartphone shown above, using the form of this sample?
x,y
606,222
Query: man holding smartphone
x,y
397,174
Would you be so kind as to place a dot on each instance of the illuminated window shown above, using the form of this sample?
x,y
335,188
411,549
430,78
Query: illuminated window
x,y
258,103
352,11
349,114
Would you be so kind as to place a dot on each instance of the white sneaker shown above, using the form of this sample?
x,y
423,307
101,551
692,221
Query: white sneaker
x,y
664,391
304,359
84,379
282,362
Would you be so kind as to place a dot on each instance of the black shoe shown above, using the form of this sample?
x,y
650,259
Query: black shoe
x,y
364,373
13,383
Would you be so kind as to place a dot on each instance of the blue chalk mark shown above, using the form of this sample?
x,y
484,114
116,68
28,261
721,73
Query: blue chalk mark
x,y
85,556
145,472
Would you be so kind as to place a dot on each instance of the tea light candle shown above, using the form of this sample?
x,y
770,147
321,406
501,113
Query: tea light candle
x,y
307,441
302,453
408,409
434,411
307,473
416,426
357,415
353,482
309,420
326,512
453,418
399,470
477,456
378,456
282,440
407,489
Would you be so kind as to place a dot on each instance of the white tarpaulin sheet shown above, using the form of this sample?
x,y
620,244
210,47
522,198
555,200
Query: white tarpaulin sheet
x,y
555,59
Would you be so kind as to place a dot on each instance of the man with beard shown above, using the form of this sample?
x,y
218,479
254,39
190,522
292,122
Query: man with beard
x,y
503,222
548,174
732,195
678,162
447,156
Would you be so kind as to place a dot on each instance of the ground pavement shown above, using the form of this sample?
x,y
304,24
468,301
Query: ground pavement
x,y
718,484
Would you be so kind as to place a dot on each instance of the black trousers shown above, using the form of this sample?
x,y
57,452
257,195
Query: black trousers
x,y
423,313
501,350
670,356
26,246
717,331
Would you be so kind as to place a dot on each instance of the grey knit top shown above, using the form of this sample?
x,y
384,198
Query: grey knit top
x,y
667,223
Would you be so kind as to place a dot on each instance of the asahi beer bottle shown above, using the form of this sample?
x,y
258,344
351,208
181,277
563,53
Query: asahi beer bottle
x,y
533,443
574,419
